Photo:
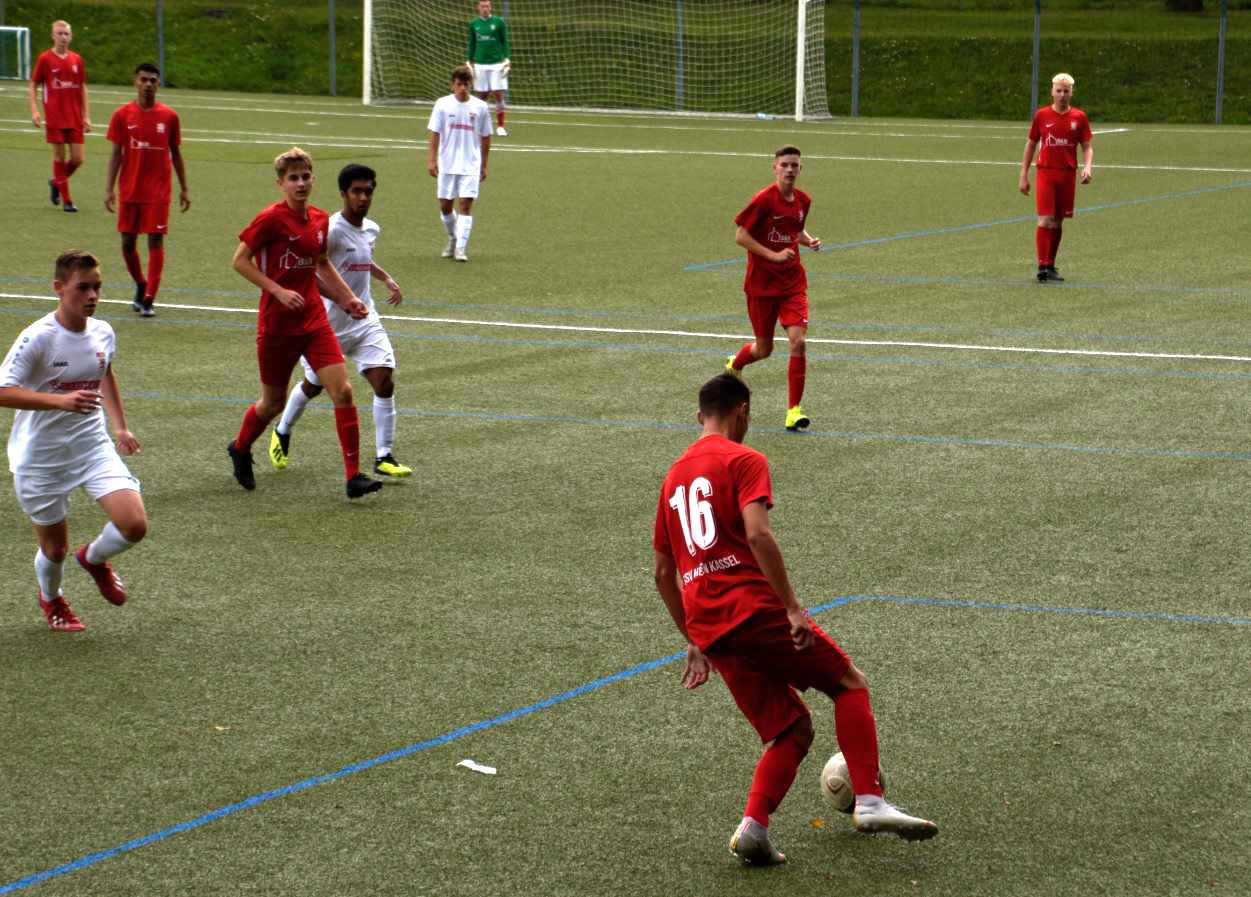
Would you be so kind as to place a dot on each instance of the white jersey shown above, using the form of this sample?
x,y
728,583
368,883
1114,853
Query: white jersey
x,y
48,358
461,127
351,251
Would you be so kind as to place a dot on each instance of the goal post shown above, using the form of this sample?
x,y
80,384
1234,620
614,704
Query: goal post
x,y
15,53
733,57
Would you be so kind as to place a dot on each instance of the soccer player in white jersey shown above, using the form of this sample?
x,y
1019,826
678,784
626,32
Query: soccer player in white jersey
x,y
350,246
460,141
59,375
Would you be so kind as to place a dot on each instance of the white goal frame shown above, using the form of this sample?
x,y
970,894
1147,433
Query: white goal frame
x,y
22,37
810,101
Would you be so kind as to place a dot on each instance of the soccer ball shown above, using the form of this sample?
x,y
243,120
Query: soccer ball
x,y
836,784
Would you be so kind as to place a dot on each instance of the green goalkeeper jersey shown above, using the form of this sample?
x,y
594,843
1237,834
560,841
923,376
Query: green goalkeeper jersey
x,y
488,41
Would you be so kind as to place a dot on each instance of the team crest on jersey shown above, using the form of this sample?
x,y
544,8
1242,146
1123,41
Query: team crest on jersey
x,y
801,216
1072,126
102,360
74,68
160,127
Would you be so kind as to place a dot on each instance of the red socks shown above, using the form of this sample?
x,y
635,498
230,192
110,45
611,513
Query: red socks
x,y
775,772
857,737
252,427
1056,234
744,357
60,176
156,265
1042,244
348,424
133,265
796,373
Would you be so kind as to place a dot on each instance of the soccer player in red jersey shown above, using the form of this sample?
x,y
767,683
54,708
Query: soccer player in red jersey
x,y
146,136
723,580
771,229
283,251
1061,128
60,77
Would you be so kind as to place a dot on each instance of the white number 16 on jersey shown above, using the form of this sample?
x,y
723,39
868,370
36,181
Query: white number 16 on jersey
x,y
699,527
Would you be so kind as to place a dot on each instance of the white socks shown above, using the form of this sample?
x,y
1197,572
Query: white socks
x,y
296,403
449,223
384,426
49,575
109,543
464,224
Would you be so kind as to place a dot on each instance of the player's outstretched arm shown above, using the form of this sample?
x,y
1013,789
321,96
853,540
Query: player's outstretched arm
x,y
127,444
769,556
697,668
81,401
743,238
115,165
333,285
432,163
35,117
86,110
1088,160
810,241
397,295
180,169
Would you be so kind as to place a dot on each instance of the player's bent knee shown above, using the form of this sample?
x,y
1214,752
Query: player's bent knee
x,y
134,530
801,730
311,390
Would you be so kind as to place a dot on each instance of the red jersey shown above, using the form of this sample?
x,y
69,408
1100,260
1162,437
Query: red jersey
x,y
61,83
145,136
288,246
777,224
699,523
1059,134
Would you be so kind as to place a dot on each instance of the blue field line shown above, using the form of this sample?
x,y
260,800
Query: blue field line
x,y
678,426
256,800
740,261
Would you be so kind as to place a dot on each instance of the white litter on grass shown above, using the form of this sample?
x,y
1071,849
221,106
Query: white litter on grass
x,y
477,767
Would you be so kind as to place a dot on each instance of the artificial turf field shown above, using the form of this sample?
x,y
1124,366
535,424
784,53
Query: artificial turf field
x,y
1021,509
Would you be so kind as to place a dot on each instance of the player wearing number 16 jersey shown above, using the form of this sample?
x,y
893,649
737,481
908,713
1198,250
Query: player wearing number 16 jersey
x,y
722,578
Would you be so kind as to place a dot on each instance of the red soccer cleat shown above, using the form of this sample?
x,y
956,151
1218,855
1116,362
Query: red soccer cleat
x,y
107,582
60,615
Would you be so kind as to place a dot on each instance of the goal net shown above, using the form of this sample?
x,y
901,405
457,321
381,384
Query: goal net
x,y
675,56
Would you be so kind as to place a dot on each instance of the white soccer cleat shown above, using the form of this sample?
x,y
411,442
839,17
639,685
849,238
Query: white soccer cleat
x,y
879,816
450,249
750,843
460,255
500,132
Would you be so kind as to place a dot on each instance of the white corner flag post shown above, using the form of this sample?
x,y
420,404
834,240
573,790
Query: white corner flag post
x,y
801,42
367,78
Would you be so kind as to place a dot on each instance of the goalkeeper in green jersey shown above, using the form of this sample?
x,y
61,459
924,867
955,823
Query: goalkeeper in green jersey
x,y
488,57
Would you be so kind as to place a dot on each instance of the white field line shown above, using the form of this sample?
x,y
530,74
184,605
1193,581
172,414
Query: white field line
x,y
569,328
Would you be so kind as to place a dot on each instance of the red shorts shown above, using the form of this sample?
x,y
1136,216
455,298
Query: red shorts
x,y
62,135
142,217
765,673
1055,193
277,355
767,311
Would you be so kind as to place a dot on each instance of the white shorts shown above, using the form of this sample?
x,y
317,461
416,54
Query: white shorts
x,y
458,186
45,496
489,78
368,346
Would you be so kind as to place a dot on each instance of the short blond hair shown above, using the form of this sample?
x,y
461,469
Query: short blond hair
x,y
1063,78
292,158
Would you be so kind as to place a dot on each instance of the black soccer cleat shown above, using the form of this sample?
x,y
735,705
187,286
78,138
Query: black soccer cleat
x,y
54,193
1043,274
148,309
243,466
362,485
1053,275
137,302
69,207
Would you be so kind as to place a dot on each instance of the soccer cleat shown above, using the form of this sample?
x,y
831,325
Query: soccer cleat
x,y
362,485
55,192
731,369
1043,274
796,420
108,582
884,817
60,615
450,249
500,132
69,207
137,302
1053,275
279,449
147,308
460,255
389,467
243,466
750,843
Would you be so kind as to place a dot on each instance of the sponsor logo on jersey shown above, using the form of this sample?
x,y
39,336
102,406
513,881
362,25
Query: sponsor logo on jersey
x,y
74,385
776,236
713,566
1058,141
58,84
292,259
60,364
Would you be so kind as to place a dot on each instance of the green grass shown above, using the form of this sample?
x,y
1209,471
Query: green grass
x,y
1134,61
286,633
